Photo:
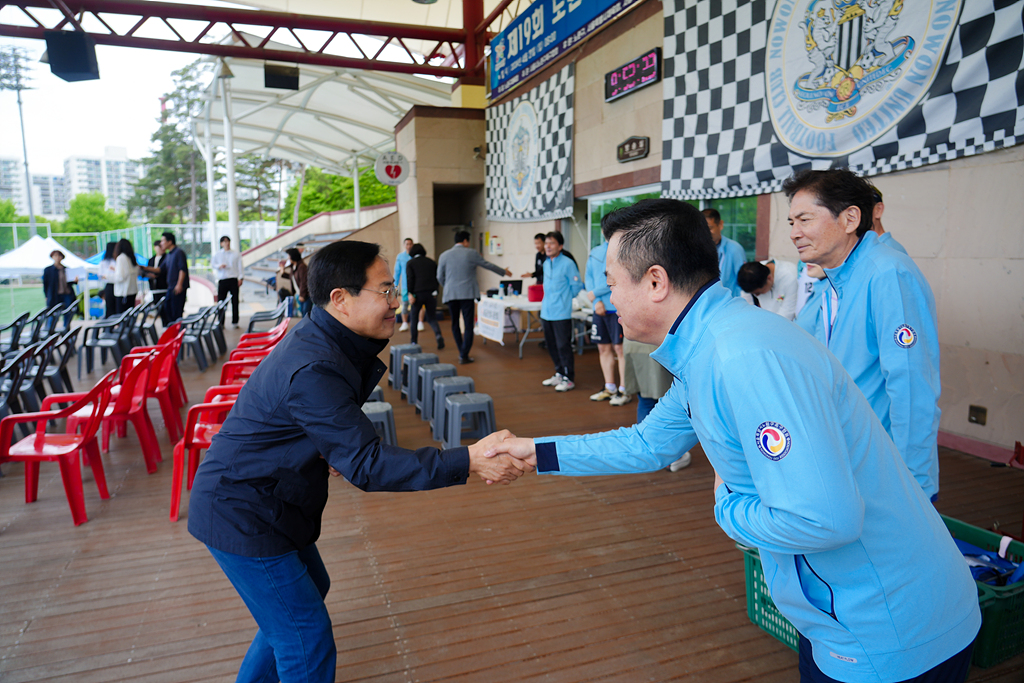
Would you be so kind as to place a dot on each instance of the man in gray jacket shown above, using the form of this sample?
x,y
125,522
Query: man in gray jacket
x,y
456,273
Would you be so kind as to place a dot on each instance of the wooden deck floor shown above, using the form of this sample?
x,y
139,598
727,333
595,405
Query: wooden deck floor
x,y
551,579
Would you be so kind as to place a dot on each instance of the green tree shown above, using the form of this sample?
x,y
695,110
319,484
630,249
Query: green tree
x,y
326,192
88,213
258,175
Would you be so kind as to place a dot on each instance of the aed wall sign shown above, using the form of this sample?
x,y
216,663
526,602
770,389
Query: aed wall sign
x,y
633,148
391,168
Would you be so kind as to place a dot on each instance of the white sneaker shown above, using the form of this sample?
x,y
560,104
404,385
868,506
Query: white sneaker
x,y
602,395
620,399
680,463
553,381
420,327
565,385
404,327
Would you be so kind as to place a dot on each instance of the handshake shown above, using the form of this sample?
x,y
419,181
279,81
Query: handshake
x,y
501,458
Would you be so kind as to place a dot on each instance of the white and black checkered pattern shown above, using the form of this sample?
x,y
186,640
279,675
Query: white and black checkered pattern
x,y
718,138
553,189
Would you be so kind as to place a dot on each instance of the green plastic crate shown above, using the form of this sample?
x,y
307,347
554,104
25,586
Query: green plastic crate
x,y
1002,607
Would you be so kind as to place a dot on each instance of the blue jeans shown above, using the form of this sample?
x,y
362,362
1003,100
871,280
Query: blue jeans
x,y
285,595
644,406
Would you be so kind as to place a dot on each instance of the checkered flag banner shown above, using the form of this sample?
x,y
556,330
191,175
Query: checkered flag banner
x,y
757,90
529,153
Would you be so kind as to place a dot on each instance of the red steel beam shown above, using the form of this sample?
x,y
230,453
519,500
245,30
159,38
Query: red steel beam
x,y
144,10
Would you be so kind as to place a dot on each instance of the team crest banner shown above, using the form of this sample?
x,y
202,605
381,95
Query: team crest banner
x,y
529,153
757,90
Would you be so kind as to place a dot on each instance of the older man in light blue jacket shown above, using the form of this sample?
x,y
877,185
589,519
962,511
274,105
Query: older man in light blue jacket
x,y
456,273
805,471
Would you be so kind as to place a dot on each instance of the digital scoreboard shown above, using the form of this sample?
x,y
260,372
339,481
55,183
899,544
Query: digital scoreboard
x,y
636,74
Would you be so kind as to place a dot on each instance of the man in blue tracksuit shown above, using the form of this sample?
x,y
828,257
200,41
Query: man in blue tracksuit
x,y
605,330
877,312
730,254
852,550
400,262
561,284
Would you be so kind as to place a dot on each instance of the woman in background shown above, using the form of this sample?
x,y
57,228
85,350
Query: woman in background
x,y
125,277
299,270
106,276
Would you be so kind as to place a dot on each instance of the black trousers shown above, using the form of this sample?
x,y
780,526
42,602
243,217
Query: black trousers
x,y
109,301
175,305
424,300
123,303
558,339
467,309
229,285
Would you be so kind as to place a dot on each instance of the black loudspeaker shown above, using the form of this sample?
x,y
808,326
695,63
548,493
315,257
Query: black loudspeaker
x,y
72,55
280,76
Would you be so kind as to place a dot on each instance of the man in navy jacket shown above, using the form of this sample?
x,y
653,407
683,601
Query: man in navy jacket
x,y
259,495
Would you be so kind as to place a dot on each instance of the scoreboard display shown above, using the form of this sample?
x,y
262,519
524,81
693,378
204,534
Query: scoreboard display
x,y
633,75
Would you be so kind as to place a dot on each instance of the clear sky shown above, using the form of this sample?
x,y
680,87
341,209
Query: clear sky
x,y
79,119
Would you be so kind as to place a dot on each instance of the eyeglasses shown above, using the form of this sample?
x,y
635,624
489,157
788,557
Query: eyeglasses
x,y
391,293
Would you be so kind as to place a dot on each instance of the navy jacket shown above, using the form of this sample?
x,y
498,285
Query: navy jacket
x,y
262,489
50,284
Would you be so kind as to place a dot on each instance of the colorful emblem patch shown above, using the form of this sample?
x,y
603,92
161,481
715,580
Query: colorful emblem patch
x,y
905,336
773,440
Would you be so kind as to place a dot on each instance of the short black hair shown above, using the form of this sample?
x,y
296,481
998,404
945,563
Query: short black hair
x,y
169,236
340,265
752,275
417,250
539,236
156,243
225,237
712,214
836,189
668,233
556,236
294,254
108,253
461,236
57,251
407,239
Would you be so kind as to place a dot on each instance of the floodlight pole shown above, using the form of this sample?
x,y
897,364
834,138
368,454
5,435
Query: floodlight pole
x,y
229,158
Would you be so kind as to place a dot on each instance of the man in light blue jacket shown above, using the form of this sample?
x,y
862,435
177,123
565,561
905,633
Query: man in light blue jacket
x,y
402,317
877,312
730,254
605,330
853,552
561,284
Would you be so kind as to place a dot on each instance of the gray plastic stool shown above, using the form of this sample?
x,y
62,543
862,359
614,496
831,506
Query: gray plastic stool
x,y
376,395
478,407
443,388
383,418
411,363
395,371
425,394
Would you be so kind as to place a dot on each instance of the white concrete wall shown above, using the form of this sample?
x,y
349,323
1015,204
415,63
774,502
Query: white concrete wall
x,y
963,223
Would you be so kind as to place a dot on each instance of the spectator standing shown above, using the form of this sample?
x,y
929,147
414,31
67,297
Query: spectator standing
x,y
538,259
283,279
56,287
771,285
402,317
421,283
561,284
877,210
174,267
106,277
157,282
259,495
227,267
126,276
730,254
805,472
299,273
605,330
877,313
456,273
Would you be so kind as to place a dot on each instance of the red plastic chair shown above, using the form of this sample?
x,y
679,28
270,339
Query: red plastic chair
x,y
129,405
61,448
246,354
163,385
274,333
202,424
238,371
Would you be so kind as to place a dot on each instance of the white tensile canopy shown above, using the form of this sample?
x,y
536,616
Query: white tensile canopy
x,y
30,258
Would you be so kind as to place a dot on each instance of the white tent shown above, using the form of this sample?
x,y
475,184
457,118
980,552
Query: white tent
x,y
31,257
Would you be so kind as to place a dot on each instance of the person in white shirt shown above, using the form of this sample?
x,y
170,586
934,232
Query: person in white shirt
x,y
227,266
771,285
125,277
106,276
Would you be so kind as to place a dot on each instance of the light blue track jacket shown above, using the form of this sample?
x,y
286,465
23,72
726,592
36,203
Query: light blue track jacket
x,y
885,336
561,284
595,280
400,262
730,257
853,552
887,239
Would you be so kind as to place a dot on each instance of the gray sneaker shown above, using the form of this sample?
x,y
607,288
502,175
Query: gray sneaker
x,y
553,381
620,399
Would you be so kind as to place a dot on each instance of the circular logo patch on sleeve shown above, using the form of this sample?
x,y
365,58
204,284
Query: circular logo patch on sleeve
x,y
773,440
905,336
